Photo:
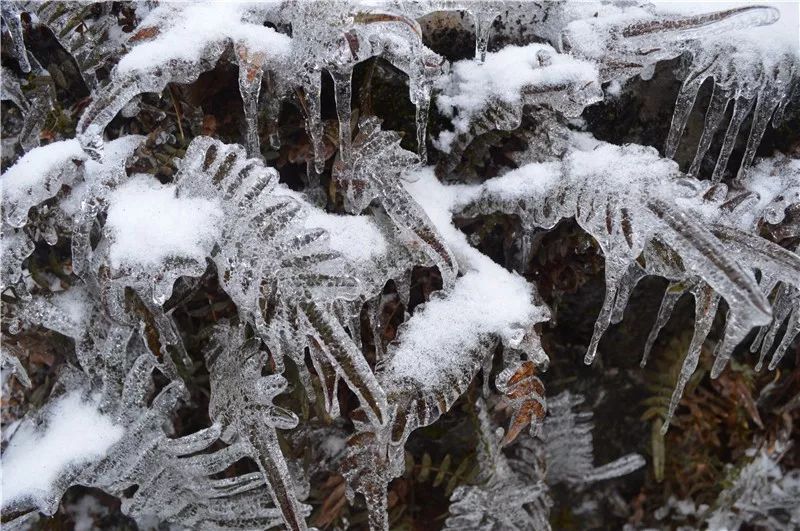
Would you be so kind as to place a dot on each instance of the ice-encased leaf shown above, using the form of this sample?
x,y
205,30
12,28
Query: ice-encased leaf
x,y
761,493
242,403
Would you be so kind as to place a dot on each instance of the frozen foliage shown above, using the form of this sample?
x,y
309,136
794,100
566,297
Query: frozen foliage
x,y
761,494
306,289
569,449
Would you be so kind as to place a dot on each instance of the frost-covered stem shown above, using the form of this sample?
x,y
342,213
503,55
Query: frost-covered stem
x,y
378,514
343,88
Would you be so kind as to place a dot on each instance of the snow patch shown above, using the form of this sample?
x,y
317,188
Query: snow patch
x,y
75,433
150,223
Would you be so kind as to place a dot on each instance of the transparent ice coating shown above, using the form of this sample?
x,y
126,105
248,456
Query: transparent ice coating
x,y
305,281
92,40
626,41
758,80
10,14
374,173
241,403
635,204
504,496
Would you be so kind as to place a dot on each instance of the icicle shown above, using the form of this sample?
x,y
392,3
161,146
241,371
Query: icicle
x,y
674,292
250,75
613,277
785,307
525,249
714,116
792,331
343,88
683,108
484,17
706,302
423,104
765,107
628,283
274,101
740,111
312,99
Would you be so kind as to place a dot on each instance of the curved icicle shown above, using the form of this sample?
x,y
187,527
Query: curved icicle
x,y
714,116
765,107
674,292
613,278
740,110
706,302
683,108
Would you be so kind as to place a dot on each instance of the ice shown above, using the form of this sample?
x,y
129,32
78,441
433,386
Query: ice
x,y
569,447
375,173
330,288
241,402
356,237
11,17
75,433
761,493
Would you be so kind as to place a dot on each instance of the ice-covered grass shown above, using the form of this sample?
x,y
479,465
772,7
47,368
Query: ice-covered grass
x,y
150,223
75,433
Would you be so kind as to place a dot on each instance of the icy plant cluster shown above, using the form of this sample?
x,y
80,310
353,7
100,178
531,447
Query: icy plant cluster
x,y
309,283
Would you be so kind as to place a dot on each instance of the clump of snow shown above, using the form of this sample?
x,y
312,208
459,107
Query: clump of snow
x,y
486,300
356,237
504,76
625,166
36,172
75,433
149,223
115,154
529,181
192,29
